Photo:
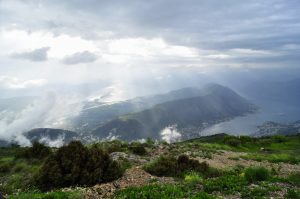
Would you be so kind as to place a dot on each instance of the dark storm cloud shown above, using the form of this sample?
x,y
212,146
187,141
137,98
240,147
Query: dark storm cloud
x,y
36,55
80,57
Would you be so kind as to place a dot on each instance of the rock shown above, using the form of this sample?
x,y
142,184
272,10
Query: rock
x,y
118,155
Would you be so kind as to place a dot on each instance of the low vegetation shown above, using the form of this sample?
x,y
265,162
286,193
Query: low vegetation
x,y
28,172
254,174
170,166
162,192
76,164
48,195
273,149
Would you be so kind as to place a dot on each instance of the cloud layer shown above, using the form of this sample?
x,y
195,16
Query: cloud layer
x,y
114,40
80,57
35,55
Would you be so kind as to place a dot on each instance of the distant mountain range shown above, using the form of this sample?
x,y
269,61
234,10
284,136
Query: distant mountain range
x,y
274,128
203,107
190,110
97,113
49,134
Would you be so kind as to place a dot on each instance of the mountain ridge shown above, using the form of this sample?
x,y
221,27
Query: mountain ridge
x,y
190,114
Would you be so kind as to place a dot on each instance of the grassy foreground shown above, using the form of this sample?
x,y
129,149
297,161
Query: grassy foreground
x,y
192,178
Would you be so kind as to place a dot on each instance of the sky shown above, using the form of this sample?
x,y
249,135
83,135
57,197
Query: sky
x,y
59,45
67,52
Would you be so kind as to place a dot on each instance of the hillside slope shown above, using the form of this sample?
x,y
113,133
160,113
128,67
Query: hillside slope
x,y
190,115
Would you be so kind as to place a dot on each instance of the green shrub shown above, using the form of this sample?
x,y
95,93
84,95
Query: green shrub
x,y
279,138
5,167
294,178
160,191
37,150
232,141
246,139
292,194
112,146
192,179
226,183
170,166
49,195
138,150
163,166
76,164
256,192
254,174
150,142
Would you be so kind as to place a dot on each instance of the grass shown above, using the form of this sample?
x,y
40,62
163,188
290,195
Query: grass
x,y
161,191
255,174
193,185
292,194
228,184
274,158
294,179
273,149
171,166
48,195
15,173
191,182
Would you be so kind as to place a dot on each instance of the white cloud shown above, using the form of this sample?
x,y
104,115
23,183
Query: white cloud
x,y
58,142
80,57
50,111
218,56
37,55
148,47
170,134
15,40
15,83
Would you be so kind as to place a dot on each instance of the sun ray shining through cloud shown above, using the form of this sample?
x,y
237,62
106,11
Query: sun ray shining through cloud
x,y
104,52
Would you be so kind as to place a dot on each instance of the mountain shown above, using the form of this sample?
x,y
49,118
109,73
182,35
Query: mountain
x,y
212,104
97,113
4,143
274,128
49,135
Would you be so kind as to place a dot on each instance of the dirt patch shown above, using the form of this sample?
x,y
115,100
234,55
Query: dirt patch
x,y
134,177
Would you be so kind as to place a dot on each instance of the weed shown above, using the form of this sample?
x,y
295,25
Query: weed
x,y
255,174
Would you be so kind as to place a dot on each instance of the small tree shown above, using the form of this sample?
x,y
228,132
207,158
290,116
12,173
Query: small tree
x,y
37,150
76,164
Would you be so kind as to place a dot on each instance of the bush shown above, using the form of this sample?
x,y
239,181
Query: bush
x,y
232,141
138,150
37,150
292,194
76,164
5,167
192,179
254,174
279,138
227,183
49,195
170,166
246,139
294,179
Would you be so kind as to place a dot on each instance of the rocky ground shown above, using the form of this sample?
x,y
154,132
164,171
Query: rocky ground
x,y
221,159
133,177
